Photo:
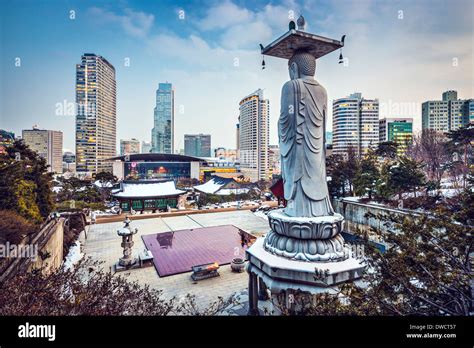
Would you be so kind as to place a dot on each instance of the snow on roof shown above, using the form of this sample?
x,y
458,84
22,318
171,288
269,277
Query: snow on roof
x,y
148,189
106,184
216,184
212,186
56,189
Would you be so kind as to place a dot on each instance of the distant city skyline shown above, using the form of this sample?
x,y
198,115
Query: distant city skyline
x,y
400,52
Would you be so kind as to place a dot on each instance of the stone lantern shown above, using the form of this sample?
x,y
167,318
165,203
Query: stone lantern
x,y
126,261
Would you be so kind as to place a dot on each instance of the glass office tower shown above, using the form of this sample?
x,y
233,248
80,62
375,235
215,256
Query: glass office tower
x,y
162,134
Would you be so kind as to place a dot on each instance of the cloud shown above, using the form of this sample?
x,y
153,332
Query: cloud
x,y
246,35
242,28
224,15
134,23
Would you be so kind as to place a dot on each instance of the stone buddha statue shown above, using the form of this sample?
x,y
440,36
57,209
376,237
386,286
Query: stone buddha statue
x,y
301,130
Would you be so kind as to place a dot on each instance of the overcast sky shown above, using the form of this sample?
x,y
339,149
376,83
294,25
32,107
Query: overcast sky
x,y
401,52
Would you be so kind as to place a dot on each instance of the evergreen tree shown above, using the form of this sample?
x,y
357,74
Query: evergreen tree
x,y
405,175
25,184
367,176
387,149
349,169
334,167
460,141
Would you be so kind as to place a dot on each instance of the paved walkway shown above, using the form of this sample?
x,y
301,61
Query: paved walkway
x,y
103,244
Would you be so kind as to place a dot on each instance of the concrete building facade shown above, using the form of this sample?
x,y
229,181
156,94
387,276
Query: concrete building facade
x,y
48,144
447,114
198,145
129,146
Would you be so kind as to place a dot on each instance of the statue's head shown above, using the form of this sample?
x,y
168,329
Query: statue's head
x,y
301,64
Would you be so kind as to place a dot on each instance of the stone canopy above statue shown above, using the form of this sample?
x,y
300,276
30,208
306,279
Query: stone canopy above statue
x,y
293,40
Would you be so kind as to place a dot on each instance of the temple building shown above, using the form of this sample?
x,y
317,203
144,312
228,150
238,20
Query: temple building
x,y
147,195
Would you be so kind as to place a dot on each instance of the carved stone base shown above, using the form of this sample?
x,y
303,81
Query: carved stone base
x,y
323,250
320,227
280,273
306,238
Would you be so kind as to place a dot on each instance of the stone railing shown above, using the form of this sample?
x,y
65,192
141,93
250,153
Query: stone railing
x,y
355,214
49,240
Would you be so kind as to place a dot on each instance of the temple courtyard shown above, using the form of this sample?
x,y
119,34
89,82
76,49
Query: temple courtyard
x,y
103,244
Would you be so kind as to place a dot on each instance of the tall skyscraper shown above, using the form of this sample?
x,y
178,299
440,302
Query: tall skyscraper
x,y
146,147
129,146
198,145
398,130
447,114
355,123
96,116
48,144
162,134
254,136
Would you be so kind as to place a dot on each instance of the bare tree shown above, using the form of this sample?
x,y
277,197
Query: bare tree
x,y
88,290
429,148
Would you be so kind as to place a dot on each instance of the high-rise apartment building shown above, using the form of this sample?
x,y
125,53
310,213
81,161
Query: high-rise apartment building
x,y
447,114
96,116
254,136
355,123
48,144
146,147
129,146
398,130
162,134
198,145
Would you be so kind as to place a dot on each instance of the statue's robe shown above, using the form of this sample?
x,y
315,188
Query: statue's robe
x,y
301,130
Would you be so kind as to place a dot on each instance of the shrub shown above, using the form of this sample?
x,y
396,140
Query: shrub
x,y
14,228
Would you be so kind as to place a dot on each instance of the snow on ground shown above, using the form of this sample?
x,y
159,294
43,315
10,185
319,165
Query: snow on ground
x,y
225,192
445,192
74,256
261,214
